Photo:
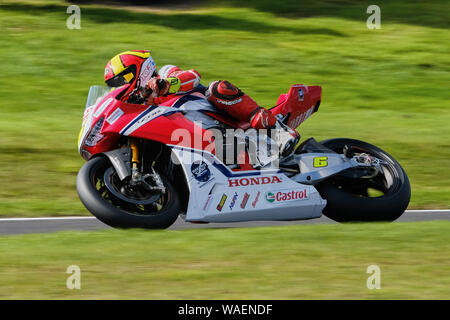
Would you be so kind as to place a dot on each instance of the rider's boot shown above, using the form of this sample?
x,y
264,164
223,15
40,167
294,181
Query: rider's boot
x,y
286,139
268,147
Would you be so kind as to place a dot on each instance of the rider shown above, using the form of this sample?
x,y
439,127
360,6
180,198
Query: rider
x,y
137,68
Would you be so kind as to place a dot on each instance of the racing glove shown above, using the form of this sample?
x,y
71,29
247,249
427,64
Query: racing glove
x,y
161,87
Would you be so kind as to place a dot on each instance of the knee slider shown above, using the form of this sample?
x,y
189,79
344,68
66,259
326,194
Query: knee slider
x,y
231,99
224,93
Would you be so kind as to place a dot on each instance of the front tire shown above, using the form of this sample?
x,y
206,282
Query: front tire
x,y
349,200
117,212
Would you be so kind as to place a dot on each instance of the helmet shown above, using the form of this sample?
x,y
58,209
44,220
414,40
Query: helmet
x,y
126,66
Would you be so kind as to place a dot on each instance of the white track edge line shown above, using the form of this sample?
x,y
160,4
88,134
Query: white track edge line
x,y
90,218
47,218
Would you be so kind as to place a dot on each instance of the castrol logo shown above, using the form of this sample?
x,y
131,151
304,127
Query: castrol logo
x,y
287,195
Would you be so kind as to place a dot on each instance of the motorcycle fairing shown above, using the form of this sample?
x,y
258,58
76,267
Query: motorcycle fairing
x,y
124,119
218,194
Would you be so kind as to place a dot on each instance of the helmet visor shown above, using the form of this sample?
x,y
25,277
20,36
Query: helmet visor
x,y
126,76
116,81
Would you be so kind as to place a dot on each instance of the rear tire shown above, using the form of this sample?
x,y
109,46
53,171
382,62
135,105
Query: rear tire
x,y
106,210
346,205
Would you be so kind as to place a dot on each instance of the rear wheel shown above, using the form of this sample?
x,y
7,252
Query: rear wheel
x,y
121,204
365,196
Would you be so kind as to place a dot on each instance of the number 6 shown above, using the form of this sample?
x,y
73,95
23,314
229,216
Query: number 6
x,y
320,162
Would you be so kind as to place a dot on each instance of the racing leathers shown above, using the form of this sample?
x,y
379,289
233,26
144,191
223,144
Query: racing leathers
x,y
157,88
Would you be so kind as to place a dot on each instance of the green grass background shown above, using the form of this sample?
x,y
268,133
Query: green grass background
x,y
292,262
389,86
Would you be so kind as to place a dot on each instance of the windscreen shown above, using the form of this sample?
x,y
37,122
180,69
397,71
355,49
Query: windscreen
x,y
96,93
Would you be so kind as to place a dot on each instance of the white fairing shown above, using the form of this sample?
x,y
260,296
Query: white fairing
x,y
218,194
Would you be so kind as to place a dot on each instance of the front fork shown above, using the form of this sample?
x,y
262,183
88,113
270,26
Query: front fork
x,y
138,177
134,146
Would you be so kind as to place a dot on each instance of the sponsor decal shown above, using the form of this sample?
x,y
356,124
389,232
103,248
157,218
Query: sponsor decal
x,y
87,113
256,199
200,171
245,200
229,103
102,107
145,117
287,195
207,203
114,116
301,95
270,197
222,202
242,182
301,117
151,115
233,201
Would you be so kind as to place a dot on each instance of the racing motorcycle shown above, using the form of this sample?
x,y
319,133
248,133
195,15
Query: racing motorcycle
x,y
142,171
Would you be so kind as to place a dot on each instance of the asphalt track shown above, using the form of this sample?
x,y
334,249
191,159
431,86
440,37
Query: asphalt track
x,y
10,226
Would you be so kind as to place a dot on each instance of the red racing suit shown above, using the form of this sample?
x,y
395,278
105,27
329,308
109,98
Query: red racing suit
x,y
171,80
222,94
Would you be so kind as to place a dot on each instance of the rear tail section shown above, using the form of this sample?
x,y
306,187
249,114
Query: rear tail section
x,y
298,104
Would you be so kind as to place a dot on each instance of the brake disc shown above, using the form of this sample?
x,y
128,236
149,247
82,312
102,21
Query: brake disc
x,y
127,192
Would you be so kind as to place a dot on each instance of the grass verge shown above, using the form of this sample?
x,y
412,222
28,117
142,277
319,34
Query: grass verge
x,y
292,262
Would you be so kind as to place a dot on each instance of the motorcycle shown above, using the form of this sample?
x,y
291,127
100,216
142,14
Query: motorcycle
x,y
142,171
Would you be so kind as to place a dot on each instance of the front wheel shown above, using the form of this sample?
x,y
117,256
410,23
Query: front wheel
x,y
118,205
352,196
